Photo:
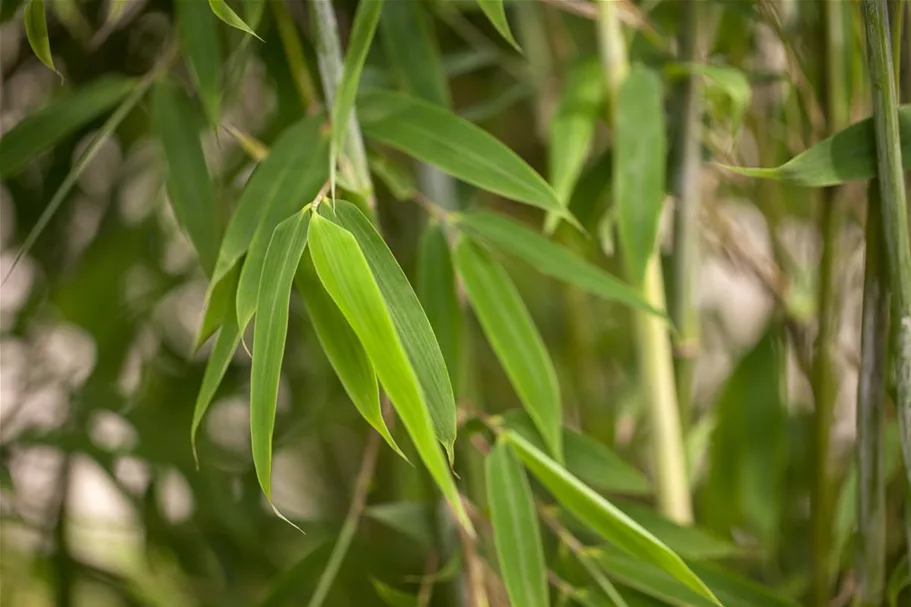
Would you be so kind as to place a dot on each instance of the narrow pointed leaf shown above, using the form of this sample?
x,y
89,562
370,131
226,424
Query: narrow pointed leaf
x,y
438,137
202,48
227,14
517,535
436,287
639,167
219,298
411,323
849,155
344,351
189,185
511,332
496,12
548,257
62,117
269,335
36,31
393,597
344,271
604,518
412,52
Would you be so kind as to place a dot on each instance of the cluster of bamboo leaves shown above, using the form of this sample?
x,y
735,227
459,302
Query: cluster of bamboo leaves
x,y
305,226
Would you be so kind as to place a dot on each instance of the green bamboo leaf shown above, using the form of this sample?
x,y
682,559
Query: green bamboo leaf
x,y
289,178
344,351
849,155
723,81
517,535
639,167
202,48
452,144
548,257
269,333
604,518
344,271
412,52
366,19
397,178
227,14
411,323
189,185
393,597
496,12
62,117
36,31
511,332
220,297
436,286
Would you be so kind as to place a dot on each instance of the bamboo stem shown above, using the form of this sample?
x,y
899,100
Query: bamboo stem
x,y
871,404
294,53
894,208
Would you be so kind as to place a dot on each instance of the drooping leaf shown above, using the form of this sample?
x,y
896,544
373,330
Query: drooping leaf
x,y
202,48
189,184
344,271
411,323
639,167
594,464
344,351
517,535
434,135
436,286
604,518
269,334
227,14
412,52
35,22
62,117
393,597
511,332
496,12
849,155
548,257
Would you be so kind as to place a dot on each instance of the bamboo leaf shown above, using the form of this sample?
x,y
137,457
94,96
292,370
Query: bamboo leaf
x,y
438,137
189,185
604,518
397,178
411,323
344,351
690,542
849,155
412,52
722,81
227,14
62,117
220,297
511,332
35,21
393,597
269,333
496,12
517,535
253,11
436,286
202,48
344,271
639,167
548,257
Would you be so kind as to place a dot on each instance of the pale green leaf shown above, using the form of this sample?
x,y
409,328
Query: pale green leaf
x,y
517,535
411,323
344,351
511,332
220,297
849,155
496,12
269,333
227,14
412,52
62,117
36,31
639,167
344,271
548,257
604,518
202,49
189,185
438,137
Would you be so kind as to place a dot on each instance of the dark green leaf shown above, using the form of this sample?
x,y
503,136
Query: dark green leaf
x,y
36,31
201,46
496,12
412,52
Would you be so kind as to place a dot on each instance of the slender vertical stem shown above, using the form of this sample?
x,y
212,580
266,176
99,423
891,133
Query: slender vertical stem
x,y
294,53
894,207
686,190
871,405
823,378
612,47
